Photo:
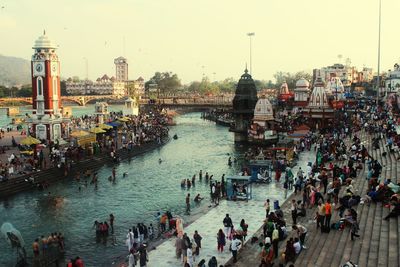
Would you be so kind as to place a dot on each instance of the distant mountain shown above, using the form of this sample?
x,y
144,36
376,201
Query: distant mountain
x,y
14,71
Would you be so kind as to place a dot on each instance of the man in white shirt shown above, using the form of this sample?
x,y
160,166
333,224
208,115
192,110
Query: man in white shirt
x,y
297,246
235,245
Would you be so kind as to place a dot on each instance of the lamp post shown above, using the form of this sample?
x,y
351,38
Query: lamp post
x,y
379,54
250,34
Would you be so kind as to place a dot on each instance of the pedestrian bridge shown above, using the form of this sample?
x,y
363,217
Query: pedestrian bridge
x,y
171,102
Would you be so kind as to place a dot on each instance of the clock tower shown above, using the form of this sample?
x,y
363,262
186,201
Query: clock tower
x,y
46,119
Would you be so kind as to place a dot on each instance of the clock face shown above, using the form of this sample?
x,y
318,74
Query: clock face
x,y
54,69
39,67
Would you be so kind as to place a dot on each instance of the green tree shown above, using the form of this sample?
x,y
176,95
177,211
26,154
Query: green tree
x,y
167,82
25,91
290,78
63,88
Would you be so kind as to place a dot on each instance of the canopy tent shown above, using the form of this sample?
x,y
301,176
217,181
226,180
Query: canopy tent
x,y
79,133
97,130
124,119
114,123
105,126
28,141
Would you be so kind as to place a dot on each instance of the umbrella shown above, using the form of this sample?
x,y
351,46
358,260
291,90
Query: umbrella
x,y
124,119
97,130
114,123
30,141
105,126
79,133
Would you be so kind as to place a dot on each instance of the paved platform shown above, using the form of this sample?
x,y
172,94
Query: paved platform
x,y
208,225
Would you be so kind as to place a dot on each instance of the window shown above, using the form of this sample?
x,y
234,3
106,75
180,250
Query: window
x,y
55,88
39,86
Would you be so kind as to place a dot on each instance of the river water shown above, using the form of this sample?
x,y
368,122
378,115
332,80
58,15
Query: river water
x,y
149,187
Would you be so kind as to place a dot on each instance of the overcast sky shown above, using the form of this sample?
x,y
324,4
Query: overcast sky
x,y
183,35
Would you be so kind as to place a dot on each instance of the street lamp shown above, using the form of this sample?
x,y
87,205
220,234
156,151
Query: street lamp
x,y
250,34
379,53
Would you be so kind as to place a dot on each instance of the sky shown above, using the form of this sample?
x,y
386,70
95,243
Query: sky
x,y
192,37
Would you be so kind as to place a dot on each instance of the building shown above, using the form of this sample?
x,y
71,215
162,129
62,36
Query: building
x,y
301,93
365,76
135,87
318,111
102,86
263,128
244,103
284,94
392,81
121,69
46,119
346,74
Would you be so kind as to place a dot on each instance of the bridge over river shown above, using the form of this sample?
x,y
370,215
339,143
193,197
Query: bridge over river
x,y
168,101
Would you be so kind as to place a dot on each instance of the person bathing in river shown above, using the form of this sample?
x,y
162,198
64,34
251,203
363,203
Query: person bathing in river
x,y
113,174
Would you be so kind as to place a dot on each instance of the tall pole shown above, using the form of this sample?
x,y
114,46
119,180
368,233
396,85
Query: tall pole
x,y
250,34
379,54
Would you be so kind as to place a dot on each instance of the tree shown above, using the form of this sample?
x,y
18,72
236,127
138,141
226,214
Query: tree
x,y
25,91
63,88
290,78
167,82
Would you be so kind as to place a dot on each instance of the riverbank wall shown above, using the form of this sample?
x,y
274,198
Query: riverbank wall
x,y
53,175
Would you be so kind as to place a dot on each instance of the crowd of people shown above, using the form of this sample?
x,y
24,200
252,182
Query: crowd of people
x,y
48,248
151,126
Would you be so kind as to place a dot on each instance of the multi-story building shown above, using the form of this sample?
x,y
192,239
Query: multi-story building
x,y
392,81
365,76
135,87
346,74
121,69
102,86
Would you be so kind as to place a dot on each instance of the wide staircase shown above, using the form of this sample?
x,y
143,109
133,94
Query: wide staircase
x,y
378,244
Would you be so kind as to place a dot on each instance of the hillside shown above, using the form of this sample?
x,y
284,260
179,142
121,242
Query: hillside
x,y
14,71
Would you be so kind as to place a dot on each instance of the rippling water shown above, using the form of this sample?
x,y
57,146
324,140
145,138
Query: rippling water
x,y
149,187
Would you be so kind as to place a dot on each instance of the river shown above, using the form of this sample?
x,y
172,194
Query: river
x,y
148,188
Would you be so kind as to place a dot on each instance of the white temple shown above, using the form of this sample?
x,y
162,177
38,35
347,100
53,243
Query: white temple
x,y
302,91
263,127
284,88
131,107
318,97
335,88
263,111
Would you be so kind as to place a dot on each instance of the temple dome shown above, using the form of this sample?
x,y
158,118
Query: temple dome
x,y
284,88
318,98
263,110
44,42
302,83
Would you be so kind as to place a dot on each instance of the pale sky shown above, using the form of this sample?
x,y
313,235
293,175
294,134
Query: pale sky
x,y
183,35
